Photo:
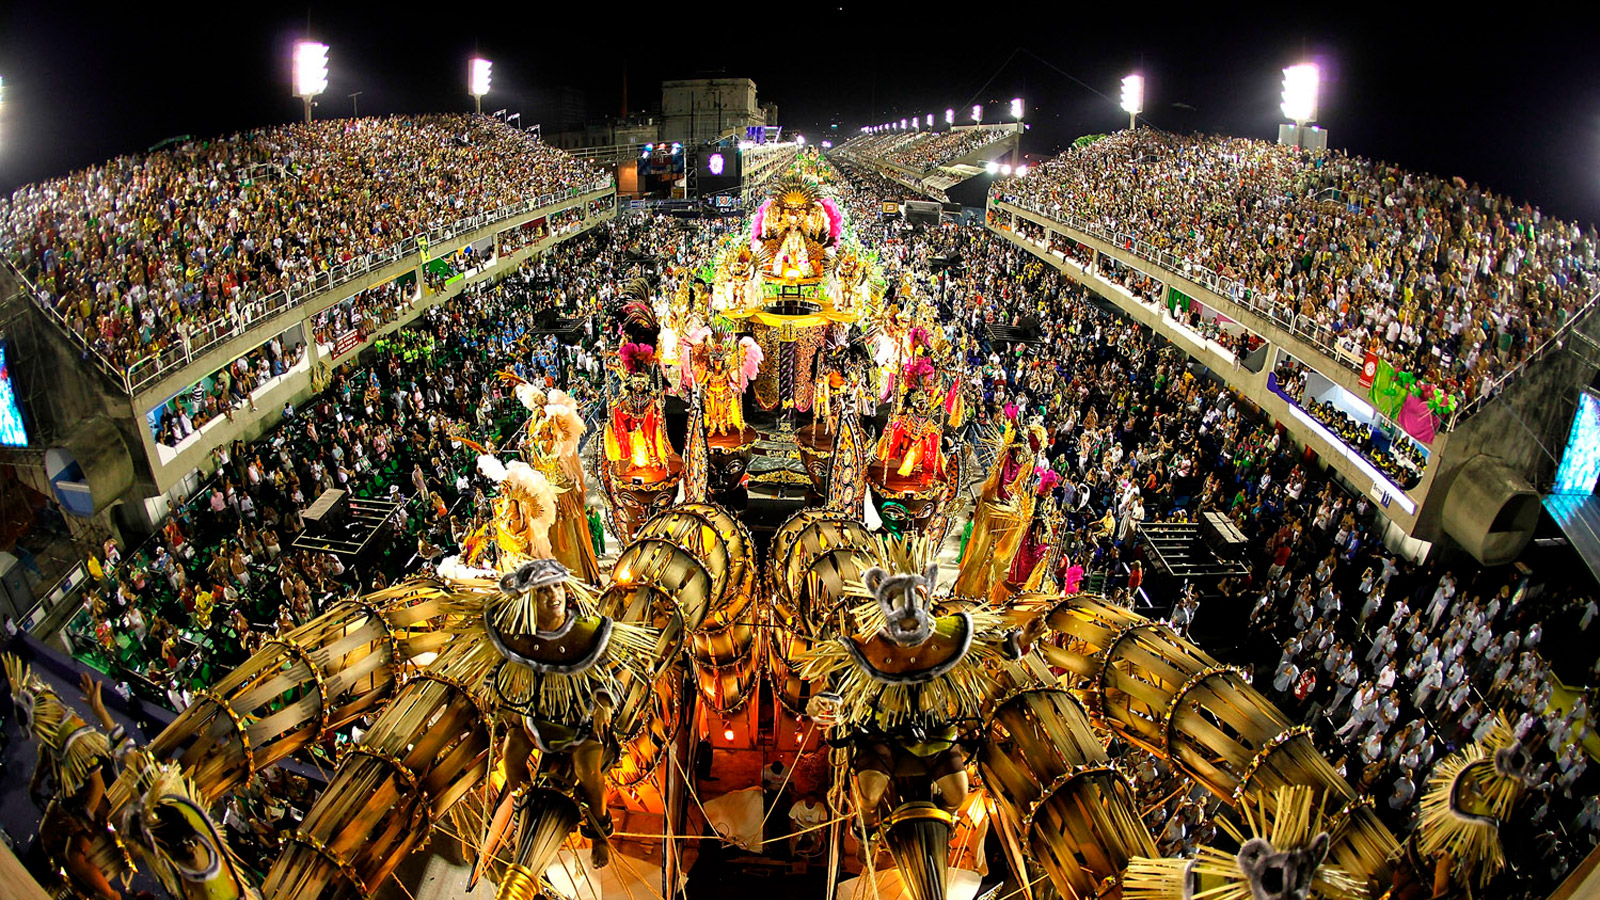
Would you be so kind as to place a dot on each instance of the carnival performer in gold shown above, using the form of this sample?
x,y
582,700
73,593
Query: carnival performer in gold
x,y
524,511
76,833
897,691
165,816
1002,515
794,232
724,366
558,680
555,430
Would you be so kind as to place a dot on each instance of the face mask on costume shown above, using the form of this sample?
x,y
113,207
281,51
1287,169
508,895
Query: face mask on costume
x,y
904,600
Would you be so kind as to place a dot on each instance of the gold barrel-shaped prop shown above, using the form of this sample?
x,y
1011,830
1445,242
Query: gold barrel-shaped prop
x,y
644,724
425,751
302,685
1162,693
701,556
814,554
1058,793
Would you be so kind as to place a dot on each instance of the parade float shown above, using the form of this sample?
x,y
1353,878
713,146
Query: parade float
x,y
776,598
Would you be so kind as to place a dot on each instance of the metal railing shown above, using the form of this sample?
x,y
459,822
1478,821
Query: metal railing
x,y
1281,314
1343,351
257,311
1553,342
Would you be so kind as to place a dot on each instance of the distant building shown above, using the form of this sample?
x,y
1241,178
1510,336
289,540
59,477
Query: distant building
x,y
697,110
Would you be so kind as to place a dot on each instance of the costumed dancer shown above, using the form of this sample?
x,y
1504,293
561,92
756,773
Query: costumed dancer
x,y
1003,514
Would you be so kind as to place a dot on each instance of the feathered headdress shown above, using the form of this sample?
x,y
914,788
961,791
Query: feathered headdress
x,y
1048,480
636,358
562,413
750,357
527,480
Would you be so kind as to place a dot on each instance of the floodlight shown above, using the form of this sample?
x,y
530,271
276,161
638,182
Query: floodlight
x,y
949,117
478,76
1133,94
1005,168
310,69
930,120
1016,108
1022,170
800,139
977,112
991,167
903,124
1300,84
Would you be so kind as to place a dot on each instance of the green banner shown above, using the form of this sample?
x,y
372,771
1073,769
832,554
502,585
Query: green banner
x,y
1387,394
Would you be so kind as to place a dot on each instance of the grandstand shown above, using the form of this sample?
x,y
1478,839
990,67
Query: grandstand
x,y
931,162
1386,354
283,251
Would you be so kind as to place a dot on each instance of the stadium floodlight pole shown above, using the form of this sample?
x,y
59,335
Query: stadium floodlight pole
x,y
478,81
1300,84
1133,98
310,72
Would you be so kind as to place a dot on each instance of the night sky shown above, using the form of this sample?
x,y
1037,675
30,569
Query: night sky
x,y
1513,105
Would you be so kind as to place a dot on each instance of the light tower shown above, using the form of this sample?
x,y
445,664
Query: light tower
x,y
977,113
1133,98
1301,83
310,72
949,117
478,81
1016,108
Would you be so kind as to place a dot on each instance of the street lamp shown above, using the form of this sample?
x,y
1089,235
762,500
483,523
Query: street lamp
x,y
977,113
1300,84
1133,98
478,81
310,72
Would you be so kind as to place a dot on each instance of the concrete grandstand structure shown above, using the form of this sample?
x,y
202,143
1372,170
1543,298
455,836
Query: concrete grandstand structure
x,y
92,443
1479,485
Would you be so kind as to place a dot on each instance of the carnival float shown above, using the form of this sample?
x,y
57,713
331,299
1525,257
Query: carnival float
x,y
777,597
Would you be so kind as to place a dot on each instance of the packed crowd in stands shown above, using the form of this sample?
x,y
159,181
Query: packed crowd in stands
x,y
150,249
1441,278
1395,665
222,392
944,147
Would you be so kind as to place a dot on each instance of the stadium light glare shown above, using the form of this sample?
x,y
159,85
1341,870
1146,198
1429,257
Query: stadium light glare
x,y
903,124
977,112
310,72
1300,84
1016,108
1133,98
800,139
991,167
949,117
930,120
478,80
1022,170
1005,168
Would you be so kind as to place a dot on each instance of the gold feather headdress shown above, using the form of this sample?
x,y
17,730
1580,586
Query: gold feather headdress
x,y
1287,831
